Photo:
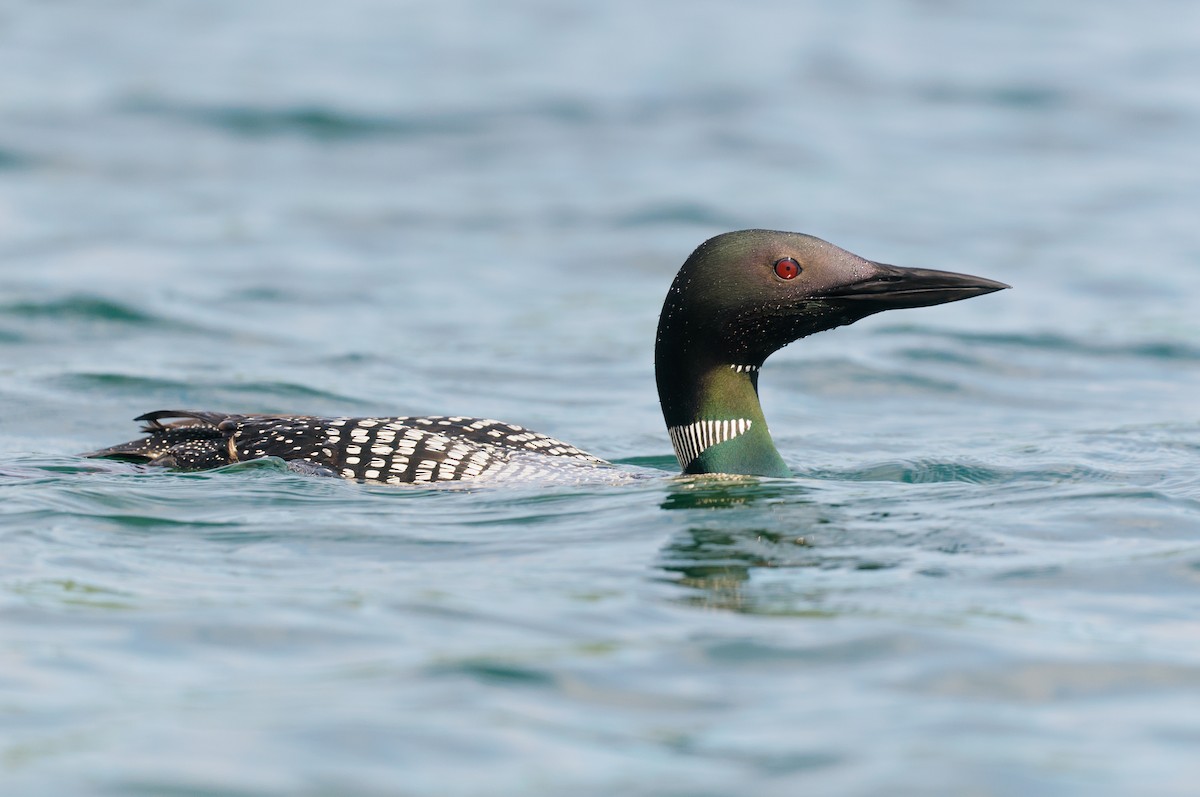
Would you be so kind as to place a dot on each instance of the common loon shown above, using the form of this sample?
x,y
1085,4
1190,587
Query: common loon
x,y
739,297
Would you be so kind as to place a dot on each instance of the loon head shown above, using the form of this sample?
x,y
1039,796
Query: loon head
x,y
743,295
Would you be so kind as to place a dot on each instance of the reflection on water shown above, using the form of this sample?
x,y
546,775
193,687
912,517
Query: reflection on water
x,y
715,559
717,563
718,491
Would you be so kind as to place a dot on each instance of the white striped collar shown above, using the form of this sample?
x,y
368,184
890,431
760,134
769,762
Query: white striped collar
x,y
694,439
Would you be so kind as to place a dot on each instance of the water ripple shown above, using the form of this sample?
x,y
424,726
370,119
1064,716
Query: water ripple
x,y
83,308
149,390
933,471
331,124
1060,343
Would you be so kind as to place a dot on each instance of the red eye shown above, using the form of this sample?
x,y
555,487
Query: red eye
x,y
787,268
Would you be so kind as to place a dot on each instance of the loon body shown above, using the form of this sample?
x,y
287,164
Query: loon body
x,y
738,298
391,450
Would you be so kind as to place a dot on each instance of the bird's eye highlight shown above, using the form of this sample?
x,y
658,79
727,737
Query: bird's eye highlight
x,y
787,268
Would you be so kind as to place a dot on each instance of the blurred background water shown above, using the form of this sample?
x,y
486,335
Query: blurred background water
x,y
984,579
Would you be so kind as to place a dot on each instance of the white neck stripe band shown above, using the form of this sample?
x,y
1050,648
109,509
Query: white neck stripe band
x,y
694,439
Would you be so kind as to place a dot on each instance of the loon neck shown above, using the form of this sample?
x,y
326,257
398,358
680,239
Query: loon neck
x,y
715,419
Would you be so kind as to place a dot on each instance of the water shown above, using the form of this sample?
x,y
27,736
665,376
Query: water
x,y
984,578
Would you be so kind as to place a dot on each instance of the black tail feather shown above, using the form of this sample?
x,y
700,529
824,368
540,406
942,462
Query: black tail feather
x,y
154,419
162,441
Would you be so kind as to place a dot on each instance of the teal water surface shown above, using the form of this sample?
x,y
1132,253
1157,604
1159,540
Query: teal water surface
x,y
984,577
